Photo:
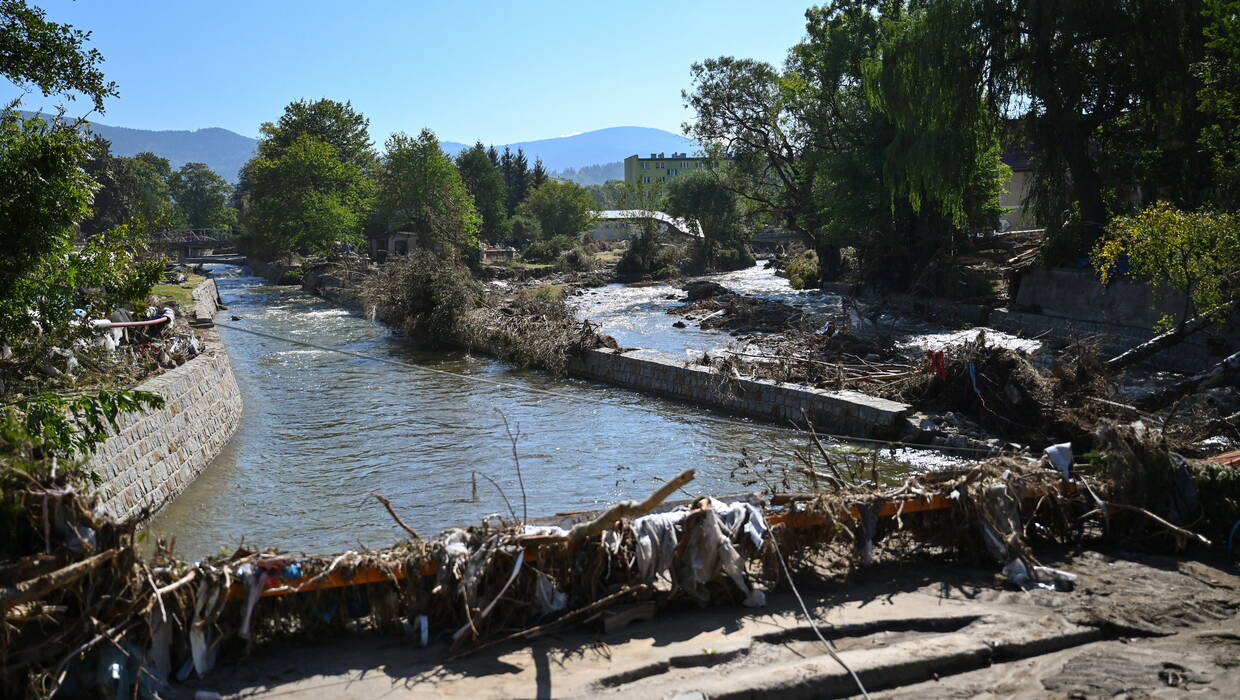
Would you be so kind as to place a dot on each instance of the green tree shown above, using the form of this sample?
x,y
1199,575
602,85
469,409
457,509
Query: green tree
x,y
1220,98
115,199
334,123
562,209
1195,253
702,199
1105,103
538,175
152,175
819,148
202,197
311,186
306,200
52,57
485,183
419,186
43,274
516,172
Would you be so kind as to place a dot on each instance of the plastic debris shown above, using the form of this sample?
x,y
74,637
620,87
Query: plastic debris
x,y
1060,456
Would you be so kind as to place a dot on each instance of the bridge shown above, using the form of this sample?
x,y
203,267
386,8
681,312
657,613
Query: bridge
x,y
192,243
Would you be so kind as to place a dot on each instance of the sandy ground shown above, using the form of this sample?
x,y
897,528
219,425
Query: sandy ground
x,y
1143,626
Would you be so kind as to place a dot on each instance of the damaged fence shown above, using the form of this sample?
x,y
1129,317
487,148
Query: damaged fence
x,y
89,613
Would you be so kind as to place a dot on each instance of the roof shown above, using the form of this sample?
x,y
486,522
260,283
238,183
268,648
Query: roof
x,y
685,226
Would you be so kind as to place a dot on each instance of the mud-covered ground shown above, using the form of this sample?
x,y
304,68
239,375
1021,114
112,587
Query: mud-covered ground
x,y
1135,626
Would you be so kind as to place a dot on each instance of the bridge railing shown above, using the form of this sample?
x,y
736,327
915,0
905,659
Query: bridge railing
x,y
194,235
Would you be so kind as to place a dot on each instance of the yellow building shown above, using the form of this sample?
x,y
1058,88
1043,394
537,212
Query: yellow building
x,y
659,168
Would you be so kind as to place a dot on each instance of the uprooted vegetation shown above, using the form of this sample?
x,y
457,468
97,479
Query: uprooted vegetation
x,y
437,303
79,595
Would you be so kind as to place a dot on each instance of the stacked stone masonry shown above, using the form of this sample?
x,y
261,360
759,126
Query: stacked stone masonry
x,y
155,455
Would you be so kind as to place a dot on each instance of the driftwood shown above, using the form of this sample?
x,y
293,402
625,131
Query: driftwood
x,y
388,504
1162,342
614,514
34,589
1174,528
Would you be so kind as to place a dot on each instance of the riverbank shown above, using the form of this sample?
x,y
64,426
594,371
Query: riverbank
x,y
156,454
1146,625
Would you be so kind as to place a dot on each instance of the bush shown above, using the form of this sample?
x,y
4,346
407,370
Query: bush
x,y
547,250
730,259
427,296
803,272
575,260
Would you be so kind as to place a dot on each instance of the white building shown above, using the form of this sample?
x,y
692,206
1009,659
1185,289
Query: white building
x,y
618,224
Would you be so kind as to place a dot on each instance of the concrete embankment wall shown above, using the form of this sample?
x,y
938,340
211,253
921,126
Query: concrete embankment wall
x,y
839,412
155,455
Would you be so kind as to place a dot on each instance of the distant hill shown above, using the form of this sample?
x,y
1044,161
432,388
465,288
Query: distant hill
x,y
593,174
604,146
222,150
595,155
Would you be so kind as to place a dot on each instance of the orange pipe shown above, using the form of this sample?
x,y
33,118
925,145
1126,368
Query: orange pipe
x,y
371,574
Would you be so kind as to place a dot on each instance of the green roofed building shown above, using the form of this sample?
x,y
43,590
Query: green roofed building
x,y
660,168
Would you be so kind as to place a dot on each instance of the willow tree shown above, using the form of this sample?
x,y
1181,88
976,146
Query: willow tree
x,y
820,148
1103,95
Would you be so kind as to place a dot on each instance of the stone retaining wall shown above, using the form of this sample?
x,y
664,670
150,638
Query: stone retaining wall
x,y
157,454
838,412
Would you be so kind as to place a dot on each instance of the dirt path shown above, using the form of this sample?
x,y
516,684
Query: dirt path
x,y
1146,626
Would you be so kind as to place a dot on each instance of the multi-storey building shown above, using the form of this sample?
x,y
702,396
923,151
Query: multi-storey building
x,y
660,168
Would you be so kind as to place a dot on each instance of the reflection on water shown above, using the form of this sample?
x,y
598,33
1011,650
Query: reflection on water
x,y
320,431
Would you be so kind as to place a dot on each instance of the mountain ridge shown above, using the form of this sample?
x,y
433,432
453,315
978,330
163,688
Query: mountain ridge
x,y
225,151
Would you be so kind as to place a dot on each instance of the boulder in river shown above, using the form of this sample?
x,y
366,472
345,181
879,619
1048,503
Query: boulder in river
x,y
704,289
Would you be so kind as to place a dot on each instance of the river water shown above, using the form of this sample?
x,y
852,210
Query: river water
x,y
321,430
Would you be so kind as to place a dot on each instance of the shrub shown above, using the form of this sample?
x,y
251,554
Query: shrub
x,y
803,272
547,250
730,259
576,259
425,295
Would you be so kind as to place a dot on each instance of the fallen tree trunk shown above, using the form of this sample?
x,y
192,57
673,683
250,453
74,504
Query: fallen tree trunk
x,y
35,589
1227,369
1162,342
621,510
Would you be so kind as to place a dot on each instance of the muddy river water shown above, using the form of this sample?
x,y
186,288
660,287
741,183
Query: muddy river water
x,y
321,430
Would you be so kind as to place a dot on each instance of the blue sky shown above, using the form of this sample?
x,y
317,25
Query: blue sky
x,y
471,70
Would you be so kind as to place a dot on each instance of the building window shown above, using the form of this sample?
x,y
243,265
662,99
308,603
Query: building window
x,y
684,165
645,180
662,179
645,166
700,164
658,165
671,172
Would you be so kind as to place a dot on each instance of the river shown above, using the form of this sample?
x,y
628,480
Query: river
x,y
321,430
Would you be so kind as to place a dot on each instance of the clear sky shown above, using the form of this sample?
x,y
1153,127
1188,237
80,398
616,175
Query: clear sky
x,y
499,72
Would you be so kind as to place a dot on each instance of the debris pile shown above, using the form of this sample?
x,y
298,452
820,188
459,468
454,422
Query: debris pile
x,y
85,612
714,306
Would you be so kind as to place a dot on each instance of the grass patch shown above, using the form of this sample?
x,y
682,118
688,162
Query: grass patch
x,y
548,292
182,293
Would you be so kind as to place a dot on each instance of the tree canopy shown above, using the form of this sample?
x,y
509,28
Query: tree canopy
x,y
202,197
50,56
483,180
334,123
561,208
702,199
306,199
420,187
